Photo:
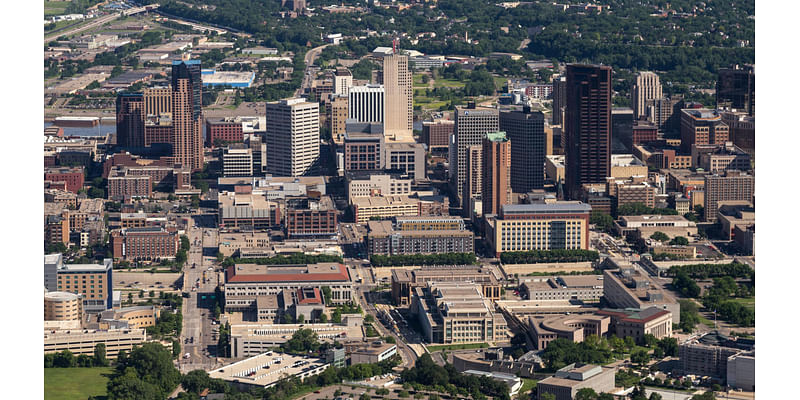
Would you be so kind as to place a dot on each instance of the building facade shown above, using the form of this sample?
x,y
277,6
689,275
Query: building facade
x,y
92,281
292,137
150,243
732,186
525,130
496,170
471,125
647,87
367,103
524,227
187,114
702,126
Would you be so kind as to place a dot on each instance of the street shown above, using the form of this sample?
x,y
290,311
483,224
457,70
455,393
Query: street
x,y
309,61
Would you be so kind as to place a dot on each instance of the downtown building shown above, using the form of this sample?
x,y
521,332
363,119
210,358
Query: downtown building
x,y
736,89
148,243
471,125
419,235
292,138
700,126
496,170
525,130
367,103
646,88
93,282
397,81
538,226
730,186
587,127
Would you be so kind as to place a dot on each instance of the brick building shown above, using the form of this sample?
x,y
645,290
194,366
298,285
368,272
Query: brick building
x,y
307,217
436,134
226,130
149,243
72,176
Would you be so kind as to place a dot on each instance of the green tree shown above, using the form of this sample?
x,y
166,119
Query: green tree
x,y
64,359
301,319
640,356
195,381
654,396
660,236
679,241
99,359
323,318
586,394
602,221
364,396
547,396
185,243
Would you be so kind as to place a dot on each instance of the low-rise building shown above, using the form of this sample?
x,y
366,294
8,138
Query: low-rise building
x,y
247,211
73,176
451,312
564,385
309,217
575,328
645,225
231,243
628,287
250,339
708,355
62,306
267,369
735,215
150,243
370,185
585,288
367,208
637,323
370,352
392,238
135,317
404,282
524,227
80,342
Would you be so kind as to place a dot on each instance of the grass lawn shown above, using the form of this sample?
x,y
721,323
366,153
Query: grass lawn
x,y
464,346
527,385
705,321
75,383
54,7
441,82
418,80
749,302
499,82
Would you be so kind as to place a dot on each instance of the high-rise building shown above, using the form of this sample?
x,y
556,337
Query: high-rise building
x,y
92,281
157,101
702,126
237,160
471,125
525,130
130,120
436,134
292,137
397,79
187,114
473,184
337,111
732,186
342,81
736,88
661,112
496,189
559,99
647,87
587,126
367,103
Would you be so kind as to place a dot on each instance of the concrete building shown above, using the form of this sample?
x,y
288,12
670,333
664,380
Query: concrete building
x,y
635,190
647,87
364,147
471,125
732,186
575,328
62,306
559,100
587,126
513,382
661,112
625,166
247,210
371,353
385,238
457,313
496,170
367,103
308,217
292,137
471,205
568,380
342,81
370,185
405,282
646,225
629,287
237,161
250,339
708,355
436,134
637,323
337,113
135,317
223,130
92,281
267,369
52,262
723,157
406,158
585,288
742,130
149,243
245,282
524,227
122,184
641,132
741,372
397,80
187,113
525,130
702,126
83,341
366,208
554,168
735,217
231,243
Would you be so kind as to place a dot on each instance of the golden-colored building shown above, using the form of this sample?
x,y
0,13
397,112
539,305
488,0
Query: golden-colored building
x,y
83,341
525,227
62,306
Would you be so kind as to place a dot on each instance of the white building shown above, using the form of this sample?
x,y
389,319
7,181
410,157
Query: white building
x,y
237,161
292,137
367,103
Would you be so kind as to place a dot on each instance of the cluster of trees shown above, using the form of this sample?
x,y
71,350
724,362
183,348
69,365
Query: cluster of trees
x,y
427,374
224,340
65,359
689,315
302,341
685,285
641,209
602,221
297,258
423,259
147,373
705,271
543,256
347,308
168,324
594,350
719,296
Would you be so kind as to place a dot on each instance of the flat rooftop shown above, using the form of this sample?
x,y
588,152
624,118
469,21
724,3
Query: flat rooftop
x,y
625,160
280,333
268,368
553,208
382,201
386,228
86,267
321,272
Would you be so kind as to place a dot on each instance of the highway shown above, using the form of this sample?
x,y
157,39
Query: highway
x,y
98,22
311,55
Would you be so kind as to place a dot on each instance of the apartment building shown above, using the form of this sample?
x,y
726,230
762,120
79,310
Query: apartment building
x,y
308,217
292,137
366,208
149,243
370,185
385,239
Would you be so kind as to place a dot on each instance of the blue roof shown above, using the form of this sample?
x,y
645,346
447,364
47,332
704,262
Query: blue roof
x,y
187,62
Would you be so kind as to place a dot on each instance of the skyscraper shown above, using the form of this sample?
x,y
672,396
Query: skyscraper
x,y
647,87
367,103
472,124
732,186
130,120
587,126
397,80
292,137
736,88
187,114
496,154
342,81
525,130
559,99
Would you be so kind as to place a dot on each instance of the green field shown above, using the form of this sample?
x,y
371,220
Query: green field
x,y
527,385
441,82
418,81
54,7
499,82
464,346
75,383
749,302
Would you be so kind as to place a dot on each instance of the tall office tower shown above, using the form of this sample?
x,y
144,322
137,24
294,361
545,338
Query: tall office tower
x,y
130,120
496,171
367,103
732,186
397,80
157,101
661,112
647,87
472,124
342,81
702,126
337,116
187,114
587,126
736,88
559,99
473,184
292,137
525,130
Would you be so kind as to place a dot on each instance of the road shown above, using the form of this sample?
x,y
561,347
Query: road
x,y
311,55
98,22
197,308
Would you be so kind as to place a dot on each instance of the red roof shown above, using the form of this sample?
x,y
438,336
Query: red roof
x,y
316,299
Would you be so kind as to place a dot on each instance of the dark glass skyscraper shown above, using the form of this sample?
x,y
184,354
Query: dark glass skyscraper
x,y
187,114
130,120
736,88
587,126
525,130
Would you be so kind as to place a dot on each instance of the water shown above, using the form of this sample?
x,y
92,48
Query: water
x,y
99,130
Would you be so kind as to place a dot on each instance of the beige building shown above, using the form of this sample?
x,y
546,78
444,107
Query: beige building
x,y
471,124
637,323
231,243
370,185
371,353
626,166
732,186
404,282
689,252
267,369
647,87
337,115
523,227
250,339
292,137
247,210
735,214
586,288
397,81
382,207
629,287
385,239
83,341
62,306
136,317
568,380
457,313
646,225
575,328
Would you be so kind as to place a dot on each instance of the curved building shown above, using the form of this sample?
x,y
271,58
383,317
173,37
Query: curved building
x,y
576,328
62,306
